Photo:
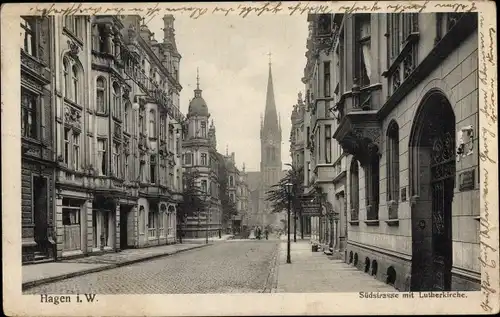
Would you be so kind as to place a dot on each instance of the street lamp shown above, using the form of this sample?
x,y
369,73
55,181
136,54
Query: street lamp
x,y
289,187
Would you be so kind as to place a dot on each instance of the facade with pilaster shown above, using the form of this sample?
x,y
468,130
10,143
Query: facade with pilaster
x,y
37,139
199,155
116,113
408,118
325,168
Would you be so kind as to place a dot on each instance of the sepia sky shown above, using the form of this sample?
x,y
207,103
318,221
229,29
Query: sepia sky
x,y
232,56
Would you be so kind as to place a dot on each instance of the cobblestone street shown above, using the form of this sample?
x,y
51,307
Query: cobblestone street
x,y
240,267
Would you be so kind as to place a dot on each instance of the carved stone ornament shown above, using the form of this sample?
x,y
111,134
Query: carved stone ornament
x,y
126,93
74,49
72,117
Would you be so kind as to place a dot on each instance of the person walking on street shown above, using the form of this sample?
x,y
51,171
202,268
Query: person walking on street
x,y
266,233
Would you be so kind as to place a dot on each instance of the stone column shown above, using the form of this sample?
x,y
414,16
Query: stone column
x,y
88,208
117,225
59,228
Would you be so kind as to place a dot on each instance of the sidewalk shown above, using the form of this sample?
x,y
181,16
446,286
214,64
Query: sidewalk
x,y
314,272
202,240
36,274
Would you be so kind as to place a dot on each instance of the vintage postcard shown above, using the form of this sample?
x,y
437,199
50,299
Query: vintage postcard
x,y
250,158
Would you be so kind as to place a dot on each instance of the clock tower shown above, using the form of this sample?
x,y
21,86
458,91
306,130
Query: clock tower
x,y
270,149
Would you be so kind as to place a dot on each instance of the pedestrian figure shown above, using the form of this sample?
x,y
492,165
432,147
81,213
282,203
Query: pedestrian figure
x,y
258,233
266,233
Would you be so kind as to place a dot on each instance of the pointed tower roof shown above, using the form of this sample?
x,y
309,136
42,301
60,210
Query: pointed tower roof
x,y
270,114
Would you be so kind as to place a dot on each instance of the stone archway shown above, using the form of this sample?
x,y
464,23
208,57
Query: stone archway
x,y
432,180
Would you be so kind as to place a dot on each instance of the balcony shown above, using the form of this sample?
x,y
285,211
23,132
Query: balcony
x,y
35,68
359,130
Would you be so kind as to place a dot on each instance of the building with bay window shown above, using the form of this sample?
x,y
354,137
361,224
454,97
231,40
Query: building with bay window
x,y
407,113
37,139
200,157
325,164
116,122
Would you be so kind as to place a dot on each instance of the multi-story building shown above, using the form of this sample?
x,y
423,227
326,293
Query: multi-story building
x,y
408,117
199,155
37,138
325,175
298,145
116,115
243,199
238,192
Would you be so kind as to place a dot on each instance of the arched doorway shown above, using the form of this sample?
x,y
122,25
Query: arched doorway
x,y
432,179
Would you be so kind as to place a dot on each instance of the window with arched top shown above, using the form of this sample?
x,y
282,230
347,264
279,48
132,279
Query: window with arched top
x,y
392,156
66,66
116,100
127,117
75,83
101,94
152,124
354,189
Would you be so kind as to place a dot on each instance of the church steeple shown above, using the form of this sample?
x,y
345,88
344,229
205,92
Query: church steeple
x,y
270,115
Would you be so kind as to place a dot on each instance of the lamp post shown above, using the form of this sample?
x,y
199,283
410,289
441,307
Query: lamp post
x,y
289,187
206,216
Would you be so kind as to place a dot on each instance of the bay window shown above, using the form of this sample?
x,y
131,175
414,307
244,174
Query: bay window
x,y
204,160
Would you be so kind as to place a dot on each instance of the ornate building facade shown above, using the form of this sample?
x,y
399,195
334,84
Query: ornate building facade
x,y
199,155
408,118
114,115
37,139
326,163
298,145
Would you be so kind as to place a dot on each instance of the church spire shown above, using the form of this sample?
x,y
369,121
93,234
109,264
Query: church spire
x,y
270,115
197,91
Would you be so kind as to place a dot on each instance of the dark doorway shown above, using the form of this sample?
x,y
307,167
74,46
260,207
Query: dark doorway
x,y
40,206
432,145
124,212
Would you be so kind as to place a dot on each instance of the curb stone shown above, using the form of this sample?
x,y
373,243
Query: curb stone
x,y
269,286
31,284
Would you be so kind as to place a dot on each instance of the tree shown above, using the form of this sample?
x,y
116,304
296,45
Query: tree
x,y
192,198
228,206
278,196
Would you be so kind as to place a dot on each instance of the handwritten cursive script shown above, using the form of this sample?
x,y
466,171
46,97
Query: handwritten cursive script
x,y
487,135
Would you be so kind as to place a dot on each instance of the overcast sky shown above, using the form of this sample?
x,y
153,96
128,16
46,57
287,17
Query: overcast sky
x,y
231,53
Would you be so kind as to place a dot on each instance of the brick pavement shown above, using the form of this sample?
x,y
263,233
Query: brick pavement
x,y
314,272
36,274
221,268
